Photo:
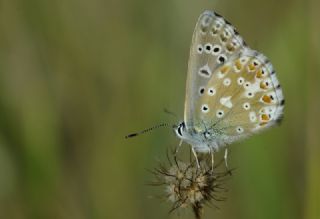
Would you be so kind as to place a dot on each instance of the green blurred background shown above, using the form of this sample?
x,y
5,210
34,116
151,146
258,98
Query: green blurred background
x,y
76,76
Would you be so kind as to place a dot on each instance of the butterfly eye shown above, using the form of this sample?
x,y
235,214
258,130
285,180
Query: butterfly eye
x,y
180,128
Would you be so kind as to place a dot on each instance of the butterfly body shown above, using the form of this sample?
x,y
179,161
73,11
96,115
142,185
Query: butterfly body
x,y
202,140
232,91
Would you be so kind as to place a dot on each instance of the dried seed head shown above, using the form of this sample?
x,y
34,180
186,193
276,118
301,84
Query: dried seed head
x,y
187,186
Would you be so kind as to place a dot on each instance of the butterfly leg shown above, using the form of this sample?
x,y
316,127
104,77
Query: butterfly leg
x,y
177,148
195,156
212,159
226,159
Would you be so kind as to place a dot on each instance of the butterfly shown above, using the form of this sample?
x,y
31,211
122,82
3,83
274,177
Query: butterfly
x,y
232,91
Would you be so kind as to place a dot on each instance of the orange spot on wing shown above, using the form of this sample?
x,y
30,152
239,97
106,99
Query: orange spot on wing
x,y
230,47
263,85
224,69
266,99
238,64
251,67
259,73
265,117
223,38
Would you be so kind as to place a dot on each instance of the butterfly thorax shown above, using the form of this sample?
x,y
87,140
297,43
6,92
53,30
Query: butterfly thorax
x,y
202,139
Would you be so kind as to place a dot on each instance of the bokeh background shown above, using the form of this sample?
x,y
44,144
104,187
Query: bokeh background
x,y
76,76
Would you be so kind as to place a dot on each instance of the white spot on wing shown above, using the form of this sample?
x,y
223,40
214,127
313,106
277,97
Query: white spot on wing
x,y
227,82
220,75
226,101
252,116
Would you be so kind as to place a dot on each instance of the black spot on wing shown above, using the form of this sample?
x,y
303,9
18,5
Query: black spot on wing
x,y
205,72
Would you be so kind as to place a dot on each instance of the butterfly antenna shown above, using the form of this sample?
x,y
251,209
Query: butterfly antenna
x,y
146,130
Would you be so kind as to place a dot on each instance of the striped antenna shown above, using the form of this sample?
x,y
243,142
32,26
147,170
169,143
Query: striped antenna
x,y
146,130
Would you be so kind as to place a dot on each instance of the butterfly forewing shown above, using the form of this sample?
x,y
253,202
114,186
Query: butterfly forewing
x,y
214,42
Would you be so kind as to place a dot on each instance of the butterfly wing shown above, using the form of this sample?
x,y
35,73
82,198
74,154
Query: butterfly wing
x,y
242,97
232,90
214,42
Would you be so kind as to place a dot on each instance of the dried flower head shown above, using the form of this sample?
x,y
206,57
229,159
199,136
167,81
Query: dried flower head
x,y
188,186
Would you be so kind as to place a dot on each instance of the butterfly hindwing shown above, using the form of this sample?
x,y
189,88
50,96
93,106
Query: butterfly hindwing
x,y
247,97
214,42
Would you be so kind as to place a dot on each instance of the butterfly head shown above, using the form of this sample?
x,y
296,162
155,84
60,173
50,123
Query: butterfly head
x,y
180,130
